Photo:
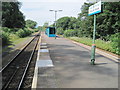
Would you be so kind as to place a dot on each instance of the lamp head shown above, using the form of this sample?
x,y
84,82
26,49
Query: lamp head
x,y
51,10
60,10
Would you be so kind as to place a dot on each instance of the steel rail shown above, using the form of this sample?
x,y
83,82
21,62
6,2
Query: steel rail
x,y
16,55
21,81
27,66
6,85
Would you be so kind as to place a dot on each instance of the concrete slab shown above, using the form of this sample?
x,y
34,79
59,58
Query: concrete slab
x,y
43,50
43,44
43,47
72,66
44,63
44,57
46,78
44,54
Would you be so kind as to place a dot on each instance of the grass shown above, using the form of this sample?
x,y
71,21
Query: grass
x,y
14,39
99,43
14,42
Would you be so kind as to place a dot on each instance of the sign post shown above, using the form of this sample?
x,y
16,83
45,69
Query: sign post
x,y
93,10
93,45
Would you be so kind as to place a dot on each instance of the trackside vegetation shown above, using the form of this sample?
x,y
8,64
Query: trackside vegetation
x,y
14,25
9,36
80,29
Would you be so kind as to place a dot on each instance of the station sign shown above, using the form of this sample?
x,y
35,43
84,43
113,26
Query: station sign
x,y
95,9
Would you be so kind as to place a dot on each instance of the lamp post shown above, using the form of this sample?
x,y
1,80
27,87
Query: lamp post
x,y
55,18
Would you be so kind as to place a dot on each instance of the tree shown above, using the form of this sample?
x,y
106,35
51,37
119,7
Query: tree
x,y
46,24
12,17
31,24
72,23
108,22
63,23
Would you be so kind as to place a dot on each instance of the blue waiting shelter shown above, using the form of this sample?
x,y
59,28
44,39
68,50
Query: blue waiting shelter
x,y
50,32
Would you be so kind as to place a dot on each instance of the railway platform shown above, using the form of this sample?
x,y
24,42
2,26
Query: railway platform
x,y
64,64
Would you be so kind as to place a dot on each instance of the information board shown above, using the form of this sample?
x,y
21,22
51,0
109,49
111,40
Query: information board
x,y
94,9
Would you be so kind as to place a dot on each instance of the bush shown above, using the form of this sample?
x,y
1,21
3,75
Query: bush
x,y
20,33
14,30
5,29
23,33
81,34
36,30
5,38
70,33
112,46
83,40
105,45
115,42
9,30
60,31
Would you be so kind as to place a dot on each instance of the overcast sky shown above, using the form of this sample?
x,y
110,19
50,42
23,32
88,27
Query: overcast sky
x,y
38,10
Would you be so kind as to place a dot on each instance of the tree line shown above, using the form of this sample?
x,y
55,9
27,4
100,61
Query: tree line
x,y
14,23
12,17
107,24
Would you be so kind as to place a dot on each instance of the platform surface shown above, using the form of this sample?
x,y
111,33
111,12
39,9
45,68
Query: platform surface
x,y
72,67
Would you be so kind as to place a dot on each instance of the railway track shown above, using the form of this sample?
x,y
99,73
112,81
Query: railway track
x,y
14,72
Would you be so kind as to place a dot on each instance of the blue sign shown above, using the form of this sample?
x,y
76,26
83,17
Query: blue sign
x,y
94,9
